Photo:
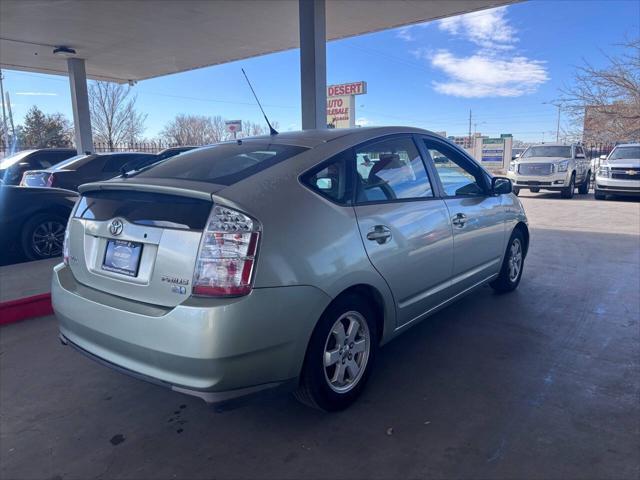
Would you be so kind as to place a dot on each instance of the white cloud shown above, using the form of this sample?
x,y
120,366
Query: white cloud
x,y
405,34
495,69
483,75
38,94
363,122
487,28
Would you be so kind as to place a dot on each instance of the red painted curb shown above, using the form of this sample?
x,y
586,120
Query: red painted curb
x,y
23,308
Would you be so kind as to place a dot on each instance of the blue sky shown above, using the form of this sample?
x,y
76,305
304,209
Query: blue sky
x,y
501,63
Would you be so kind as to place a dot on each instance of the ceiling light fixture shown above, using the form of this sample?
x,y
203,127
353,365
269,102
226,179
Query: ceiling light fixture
x,y
65,52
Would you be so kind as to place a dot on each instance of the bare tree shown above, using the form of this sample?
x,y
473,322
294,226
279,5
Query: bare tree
x,y
607,100
194,130
114,117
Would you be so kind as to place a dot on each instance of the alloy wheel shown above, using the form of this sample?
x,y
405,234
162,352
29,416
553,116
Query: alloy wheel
x,y
515,259
47,238
346,352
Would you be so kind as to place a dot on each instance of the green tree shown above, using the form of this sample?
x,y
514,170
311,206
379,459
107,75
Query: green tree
x,y
41,130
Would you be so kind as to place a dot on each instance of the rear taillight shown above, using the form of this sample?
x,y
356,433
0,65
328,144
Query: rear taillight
x,y
227,254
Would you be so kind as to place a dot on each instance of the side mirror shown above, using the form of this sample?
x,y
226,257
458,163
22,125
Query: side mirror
x,y
580,155
324,183
501,186
603,157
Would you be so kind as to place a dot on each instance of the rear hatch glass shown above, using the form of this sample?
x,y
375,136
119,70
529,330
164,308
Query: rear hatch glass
x,y
223,164
145,208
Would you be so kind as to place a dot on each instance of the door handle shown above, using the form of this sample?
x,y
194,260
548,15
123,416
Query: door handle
x,y
459,220
380,234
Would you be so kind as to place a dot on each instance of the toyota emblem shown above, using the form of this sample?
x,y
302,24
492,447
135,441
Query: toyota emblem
x,y
116,227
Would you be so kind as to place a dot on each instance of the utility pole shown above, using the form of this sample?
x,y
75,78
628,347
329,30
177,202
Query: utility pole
x,y
4,114
469,127
559,107
8,101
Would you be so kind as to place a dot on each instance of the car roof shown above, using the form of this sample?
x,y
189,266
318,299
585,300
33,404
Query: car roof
x,y
627,145
313,138
555,145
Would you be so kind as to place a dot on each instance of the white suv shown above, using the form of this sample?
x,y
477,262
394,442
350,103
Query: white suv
x,y
551,167
619,174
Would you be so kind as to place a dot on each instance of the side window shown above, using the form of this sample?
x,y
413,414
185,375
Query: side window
x,y
40,160
332,179
457,175
391,169
115,162
579,152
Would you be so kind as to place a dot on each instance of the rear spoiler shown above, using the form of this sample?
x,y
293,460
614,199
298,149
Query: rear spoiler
x,y
146,187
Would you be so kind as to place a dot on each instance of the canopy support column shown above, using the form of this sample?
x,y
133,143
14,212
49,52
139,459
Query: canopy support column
x,y
313,63
80,103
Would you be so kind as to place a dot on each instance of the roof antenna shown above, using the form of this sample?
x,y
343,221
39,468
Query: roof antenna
x,y
272,131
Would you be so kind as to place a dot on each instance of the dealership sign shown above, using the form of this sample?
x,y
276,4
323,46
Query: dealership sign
x,y
341,111
492,149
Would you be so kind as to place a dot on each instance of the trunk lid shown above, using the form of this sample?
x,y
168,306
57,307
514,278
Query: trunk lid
x,y
138,240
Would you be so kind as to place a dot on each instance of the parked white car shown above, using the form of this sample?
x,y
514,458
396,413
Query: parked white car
x,y
619,173
552,167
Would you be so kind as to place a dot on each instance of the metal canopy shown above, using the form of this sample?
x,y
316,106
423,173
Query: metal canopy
x,y
134,40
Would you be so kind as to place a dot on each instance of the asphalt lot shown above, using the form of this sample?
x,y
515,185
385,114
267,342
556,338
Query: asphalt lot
x,y
541,383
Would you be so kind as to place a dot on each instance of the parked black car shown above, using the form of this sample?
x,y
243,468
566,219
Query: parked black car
x,y
173,151
87,168
12,167
33,221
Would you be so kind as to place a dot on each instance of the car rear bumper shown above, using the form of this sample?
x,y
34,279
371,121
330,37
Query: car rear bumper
x,y
216,349
618,187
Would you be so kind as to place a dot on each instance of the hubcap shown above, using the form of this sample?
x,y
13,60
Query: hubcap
x,y
346,352
47,239
515,259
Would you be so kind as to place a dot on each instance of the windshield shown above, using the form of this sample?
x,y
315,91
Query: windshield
x,y
73,162
13,159
224,164
625,153
548,151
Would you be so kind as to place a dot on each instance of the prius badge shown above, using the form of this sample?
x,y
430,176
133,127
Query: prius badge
x,y
115,227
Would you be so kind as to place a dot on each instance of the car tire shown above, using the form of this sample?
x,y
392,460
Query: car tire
x,y
599,195
329,356
534,190
516,191
568,191
42,236
583,189
512,264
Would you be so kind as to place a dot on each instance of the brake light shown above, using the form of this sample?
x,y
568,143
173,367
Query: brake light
x,y
227,254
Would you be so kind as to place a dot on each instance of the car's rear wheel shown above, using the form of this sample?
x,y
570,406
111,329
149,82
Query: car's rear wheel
x,y
534,190
340,355
568,191
512,264
583,189
43,235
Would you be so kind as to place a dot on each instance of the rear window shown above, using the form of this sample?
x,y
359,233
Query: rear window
x,y
224,164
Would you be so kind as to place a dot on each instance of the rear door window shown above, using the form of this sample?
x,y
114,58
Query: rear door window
x,y
223,164
391,169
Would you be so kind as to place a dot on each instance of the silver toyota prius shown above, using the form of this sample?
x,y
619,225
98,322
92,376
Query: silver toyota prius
x,y
281,261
